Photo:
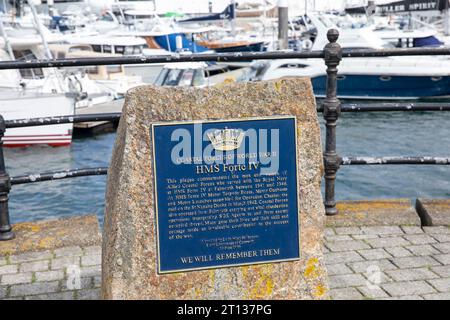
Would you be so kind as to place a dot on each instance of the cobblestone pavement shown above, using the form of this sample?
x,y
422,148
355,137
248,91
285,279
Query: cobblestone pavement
x,y
388,263
363,263
63,274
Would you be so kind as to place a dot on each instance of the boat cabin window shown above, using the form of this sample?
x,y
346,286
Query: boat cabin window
x,y
120,50
127,50
186,78
80,48
134,50
107,49
183,78
161,77
58,54
92,70
199,78
23,55
293,66
173,77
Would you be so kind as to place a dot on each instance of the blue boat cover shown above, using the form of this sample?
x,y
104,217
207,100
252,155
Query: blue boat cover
x,y
169,42
430,41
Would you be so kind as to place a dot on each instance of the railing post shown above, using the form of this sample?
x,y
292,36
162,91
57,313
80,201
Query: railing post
x,y
6,232
332,111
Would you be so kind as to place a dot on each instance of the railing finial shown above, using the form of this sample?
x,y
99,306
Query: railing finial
x,y
333,35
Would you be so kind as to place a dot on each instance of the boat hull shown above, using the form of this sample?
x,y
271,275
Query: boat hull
x,y
252,47
37,106
169,43
386,87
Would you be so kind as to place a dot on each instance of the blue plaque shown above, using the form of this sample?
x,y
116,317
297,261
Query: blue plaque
x,y
226,193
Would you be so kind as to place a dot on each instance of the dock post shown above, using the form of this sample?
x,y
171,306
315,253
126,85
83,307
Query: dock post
x,y
6,232
332,111
283,25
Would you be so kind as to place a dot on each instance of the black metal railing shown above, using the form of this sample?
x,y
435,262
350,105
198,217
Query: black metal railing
x,y
331,109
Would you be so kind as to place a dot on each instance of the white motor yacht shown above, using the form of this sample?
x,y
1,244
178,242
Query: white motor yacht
x,y
382,78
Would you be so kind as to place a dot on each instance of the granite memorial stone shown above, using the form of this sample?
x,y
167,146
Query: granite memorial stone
x,y
215,194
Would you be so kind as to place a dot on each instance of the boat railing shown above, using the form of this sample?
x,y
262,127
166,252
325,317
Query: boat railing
x,y
331,107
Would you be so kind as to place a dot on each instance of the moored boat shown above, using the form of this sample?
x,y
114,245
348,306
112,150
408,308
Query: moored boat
x,y
377,78
383,78
200,74
20,105
124,44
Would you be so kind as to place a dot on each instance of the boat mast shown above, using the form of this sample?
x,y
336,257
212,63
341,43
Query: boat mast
x,y
8,46
50,4
18,5
283,24
233,18
38,25
447,18
122,14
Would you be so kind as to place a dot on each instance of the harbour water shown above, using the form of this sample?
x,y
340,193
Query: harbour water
x,y
362,134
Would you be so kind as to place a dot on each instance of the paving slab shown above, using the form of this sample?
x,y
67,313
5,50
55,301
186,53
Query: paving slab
x,y
374,254
346,294
423,250
391,212
399,252
434,212
338,269
415,262
418,239
347,280
443,258
366,266
373,293
408,297
442,271
442,285
21,290
437,296
408,288
412,274
412,230
68,295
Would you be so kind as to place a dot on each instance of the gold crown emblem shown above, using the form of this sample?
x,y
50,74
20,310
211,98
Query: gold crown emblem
x,y
227,139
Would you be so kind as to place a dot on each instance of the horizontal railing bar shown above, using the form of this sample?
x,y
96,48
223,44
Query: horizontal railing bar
x,y
395,106
62,119
218,57
395,161
20,123
397,52
58,175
